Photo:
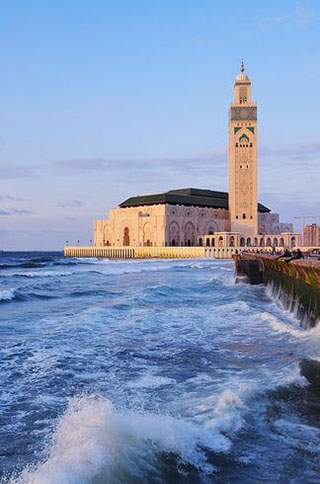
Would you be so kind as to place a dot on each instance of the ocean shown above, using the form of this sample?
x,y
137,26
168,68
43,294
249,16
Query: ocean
x,y
150,371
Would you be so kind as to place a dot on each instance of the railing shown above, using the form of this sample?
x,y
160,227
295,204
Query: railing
x,y
160,252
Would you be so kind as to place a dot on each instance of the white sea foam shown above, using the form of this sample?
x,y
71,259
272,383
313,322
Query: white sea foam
x,y
93,439
7,294
282,327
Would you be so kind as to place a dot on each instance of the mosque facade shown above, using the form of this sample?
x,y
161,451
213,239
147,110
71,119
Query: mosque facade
x,y
195,217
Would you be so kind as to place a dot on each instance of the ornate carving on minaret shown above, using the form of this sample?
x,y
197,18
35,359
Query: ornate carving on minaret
x,y
243,158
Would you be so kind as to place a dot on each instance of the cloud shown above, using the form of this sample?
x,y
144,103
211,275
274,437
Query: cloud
x,y
18,171
298,17
15,211
11,198
104,164
70,203
302,152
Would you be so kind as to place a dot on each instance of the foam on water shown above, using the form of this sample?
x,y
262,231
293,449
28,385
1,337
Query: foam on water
x,y
7,294
94,439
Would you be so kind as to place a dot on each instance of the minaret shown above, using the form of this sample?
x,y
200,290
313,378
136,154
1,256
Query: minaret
x,y
243,202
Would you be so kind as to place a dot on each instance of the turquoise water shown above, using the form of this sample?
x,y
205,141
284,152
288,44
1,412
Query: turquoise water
x,y
142,371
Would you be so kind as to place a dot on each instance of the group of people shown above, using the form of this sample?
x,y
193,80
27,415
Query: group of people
x,y
289,256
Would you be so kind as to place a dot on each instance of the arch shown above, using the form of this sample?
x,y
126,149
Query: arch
x,y
268,242
126,237
189,234
248,242
147,234
220,241
286,229
200,242
244,137
276,230
281,242
275,242
292,242
255,243
107,236
210,227
231,241
213,242
262,242
208,242
174,233
242,242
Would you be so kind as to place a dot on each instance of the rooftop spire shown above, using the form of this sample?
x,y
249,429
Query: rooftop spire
x,y
242,67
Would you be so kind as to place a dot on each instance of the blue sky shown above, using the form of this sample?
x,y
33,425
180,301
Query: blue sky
x,y
101,100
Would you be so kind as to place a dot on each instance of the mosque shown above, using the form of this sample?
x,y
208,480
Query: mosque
x,y
196,217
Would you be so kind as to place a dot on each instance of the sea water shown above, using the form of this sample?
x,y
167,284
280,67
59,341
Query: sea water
x,y
150,371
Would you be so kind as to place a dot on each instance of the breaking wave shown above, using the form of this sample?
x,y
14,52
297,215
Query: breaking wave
x,y
93,439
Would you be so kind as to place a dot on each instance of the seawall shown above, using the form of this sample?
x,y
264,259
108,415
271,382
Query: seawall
x,y
157,252
297,283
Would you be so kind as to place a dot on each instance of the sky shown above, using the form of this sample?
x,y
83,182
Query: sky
x,y
104,99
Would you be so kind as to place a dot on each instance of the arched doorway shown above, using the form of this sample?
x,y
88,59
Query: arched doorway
x,y
189,234
126,237
174,233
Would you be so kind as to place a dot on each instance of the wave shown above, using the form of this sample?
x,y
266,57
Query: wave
x,y
7,294
93,439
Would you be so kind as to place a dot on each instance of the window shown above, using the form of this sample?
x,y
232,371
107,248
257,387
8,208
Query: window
x,y
251,145
243,215
237,217
237,144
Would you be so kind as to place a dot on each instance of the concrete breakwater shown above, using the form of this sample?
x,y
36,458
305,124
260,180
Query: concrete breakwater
x,y
160,252
296,284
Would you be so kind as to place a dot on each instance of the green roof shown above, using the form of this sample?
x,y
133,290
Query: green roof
x,y
185,196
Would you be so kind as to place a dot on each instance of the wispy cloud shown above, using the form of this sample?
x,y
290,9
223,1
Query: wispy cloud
x,y
17,171
15,211
298,17
70,203
12,198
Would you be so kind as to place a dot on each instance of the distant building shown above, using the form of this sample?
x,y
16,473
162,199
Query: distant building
x,y
311,235
190,216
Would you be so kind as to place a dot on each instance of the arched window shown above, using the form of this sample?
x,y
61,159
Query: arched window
x,y
173,242
275,242
282,242
220,241
268,242
248,242
212,242
242,242
293,241
243,215
208,242
262,242
255,242
200,242
231,241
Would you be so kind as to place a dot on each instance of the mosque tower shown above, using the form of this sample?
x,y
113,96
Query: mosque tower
x,y
243,201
